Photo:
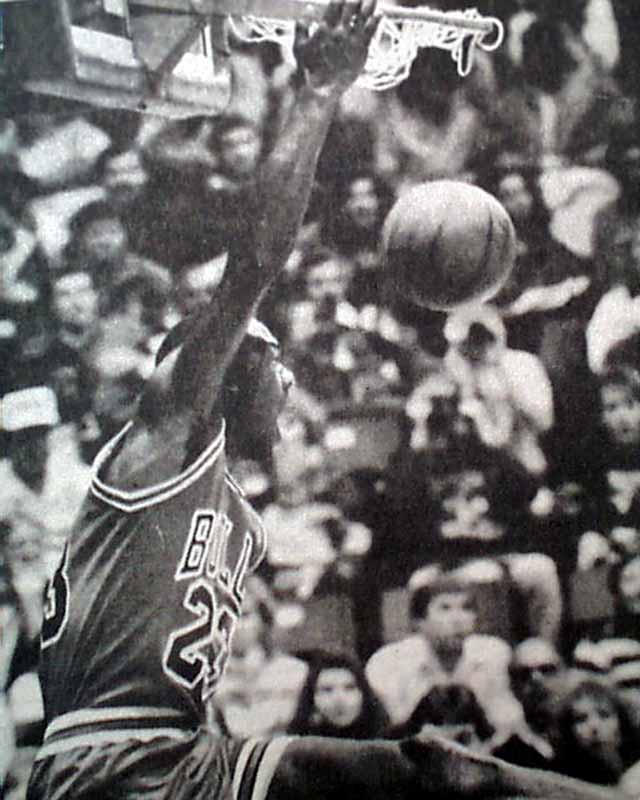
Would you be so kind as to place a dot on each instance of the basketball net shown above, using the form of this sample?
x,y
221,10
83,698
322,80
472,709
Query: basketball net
x,y
401,34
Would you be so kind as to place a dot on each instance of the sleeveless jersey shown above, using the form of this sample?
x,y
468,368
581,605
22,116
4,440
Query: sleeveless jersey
x,y
141,610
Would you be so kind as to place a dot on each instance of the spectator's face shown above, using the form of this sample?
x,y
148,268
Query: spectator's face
x,y
328,279
629,585
450,618
596,726
362,205
514,195
104,240
75,302
240,150
466,507
337,697
621,414
535,674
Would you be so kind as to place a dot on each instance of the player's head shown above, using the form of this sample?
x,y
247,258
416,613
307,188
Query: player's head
x,y
256,388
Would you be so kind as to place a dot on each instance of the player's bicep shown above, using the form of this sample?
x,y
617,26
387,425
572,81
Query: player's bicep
x,y
195,355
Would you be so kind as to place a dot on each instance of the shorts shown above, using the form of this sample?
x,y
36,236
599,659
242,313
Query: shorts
x,y
199,766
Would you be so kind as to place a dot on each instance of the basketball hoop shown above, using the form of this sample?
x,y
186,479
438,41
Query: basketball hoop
x,y
401,34
171,57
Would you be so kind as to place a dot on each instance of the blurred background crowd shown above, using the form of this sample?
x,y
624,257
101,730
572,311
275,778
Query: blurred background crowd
x,y
454,510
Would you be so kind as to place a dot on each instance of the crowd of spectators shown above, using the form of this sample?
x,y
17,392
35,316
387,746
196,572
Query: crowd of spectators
x,y
454,509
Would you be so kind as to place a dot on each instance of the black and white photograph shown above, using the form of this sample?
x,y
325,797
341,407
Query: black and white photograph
x,y
319,400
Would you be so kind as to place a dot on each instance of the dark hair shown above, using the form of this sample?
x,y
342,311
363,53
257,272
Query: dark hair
x,y
338,227
571,755
622,365
546,60
98,209
372,721
423,595
449,705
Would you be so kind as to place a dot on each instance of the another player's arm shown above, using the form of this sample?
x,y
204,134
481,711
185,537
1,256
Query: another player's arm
x,y
329,61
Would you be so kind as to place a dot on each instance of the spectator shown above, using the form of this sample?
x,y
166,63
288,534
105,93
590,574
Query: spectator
x,y
336,700
625,581
453,712
98,243
75,323
24,301
566,105
260,688
18,655
203,165
43,481
607,466
444,648
506,393
615,224
434,124
537,679
625,676
596,742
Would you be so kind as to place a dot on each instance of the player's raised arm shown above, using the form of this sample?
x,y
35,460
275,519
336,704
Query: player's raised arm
x,y
329,61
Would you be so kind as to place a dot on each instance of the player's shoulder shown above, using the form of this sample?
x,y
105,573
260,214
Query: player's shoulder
x,y
141,467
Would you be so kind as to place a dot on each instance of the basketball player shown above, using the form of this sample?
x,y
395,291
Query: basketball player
x,y
141,611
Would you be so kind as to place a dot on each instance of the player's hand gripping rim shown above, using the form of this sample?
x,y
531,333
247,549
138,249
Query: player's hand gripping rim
x,y
334,55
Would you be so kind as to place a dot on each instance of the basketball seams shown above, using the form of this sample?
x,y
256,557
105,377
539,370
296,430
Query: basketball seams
x,y
447,243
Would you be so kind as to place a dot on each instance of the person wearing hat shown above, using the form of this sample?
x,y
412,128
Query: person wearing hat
x,y
42,481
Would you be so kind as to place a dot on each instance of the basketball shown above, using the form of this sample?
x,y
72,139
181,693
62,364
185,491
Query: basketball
x,y
446,243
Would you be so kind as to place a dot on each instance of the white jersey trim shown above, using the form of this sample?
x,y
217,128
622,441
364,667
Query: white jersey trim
x,y
110,737
93,716
268,765
255,786
137,500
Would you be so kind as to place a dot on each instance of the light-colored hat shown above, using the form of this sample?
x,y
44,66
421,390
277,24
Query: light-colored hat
x,y
29,408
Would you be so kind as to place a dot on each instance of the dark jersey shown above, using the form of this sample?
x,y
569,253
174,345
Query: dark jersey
x,y
140,613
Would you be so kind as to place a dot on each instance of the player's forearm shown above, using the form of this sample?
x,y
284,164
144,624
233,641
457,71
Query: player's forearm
x,y
528,783
285,180
332,769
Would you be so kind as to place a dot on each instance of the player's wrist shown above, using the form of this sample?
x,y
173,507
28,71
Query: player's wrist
x,y
321,94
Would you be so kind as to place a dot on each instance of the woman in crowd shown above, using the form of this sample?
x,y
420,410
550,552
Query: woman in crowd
x,y
596,740
337,700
